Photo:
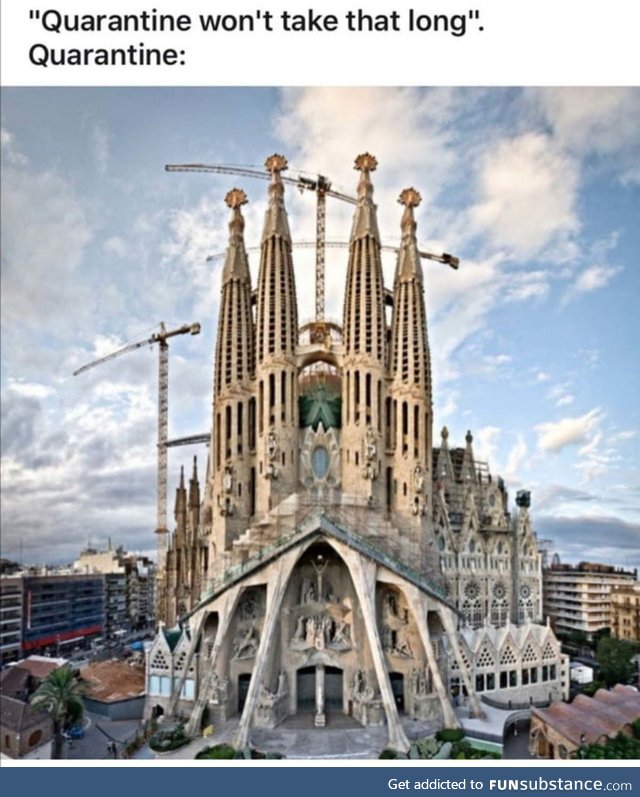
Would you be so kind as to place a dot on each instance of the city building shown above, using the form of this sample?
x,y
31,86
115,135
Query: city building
x,y
338,560
625,612
49,613
560,730
61,612
11,601
129,588
578,597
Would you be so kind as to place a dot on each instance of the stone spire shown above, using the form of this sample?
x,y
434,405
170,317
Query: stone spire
x,y
468,469
180,507
277,313
276,343
227,499
444,468
410,359
276,221
365,337
365,221
235,349
194,486
409,369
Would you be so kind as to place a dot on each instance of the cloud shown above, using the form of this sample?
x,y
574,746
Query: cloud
x,y
583,537
101,146
594,121
116,246
485,442
45,232
556,435
594,277
516,458
527,192
561,395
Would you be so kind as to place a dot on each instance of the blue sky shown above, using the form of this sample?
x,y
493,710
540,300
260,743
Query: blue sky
x,y
534,340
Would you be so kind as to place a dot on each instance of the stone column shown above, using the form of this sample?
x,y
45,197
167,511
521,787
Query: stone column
x,y
417,602
363,573
320,719
177,689
450,629
225,605
277,577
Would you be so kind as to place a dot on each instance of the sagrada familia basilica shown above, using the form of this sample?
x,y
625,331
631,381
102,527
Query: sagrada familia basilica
x,y
339,560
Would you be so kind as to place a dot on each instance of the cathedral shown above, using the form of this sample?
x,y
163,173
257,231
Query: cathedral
x,y
339,560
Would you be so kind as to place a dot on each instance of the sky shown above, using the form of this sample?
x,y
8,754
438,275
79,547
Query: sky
x,y
534,340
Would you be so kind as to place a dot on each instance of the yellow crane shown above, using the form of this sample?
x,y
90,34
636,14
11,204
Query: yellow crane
x,y
161,338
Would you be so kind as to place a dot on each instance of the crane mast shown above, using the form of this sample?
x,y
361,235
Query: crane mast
x,y
161,339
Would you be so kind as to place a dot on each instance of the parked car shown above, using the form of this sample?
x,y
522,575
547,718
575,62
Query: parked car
x,y
74,732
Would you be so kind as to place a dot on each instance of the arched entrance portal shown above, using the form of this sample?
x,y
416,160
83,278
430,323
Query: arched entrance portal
x,y
334,692
397,687
306,689
320,689
244,679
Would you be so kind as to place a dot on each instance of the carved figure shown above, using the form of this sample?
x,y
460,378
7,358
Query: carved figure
x,y
341,635
402,645
227,479
418,478
282,684
273,449
299,633
245,644
370,447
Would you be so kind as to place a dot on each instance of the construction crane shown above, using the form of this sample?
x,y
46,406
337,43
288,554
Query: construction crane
x,y
445,257
161,339
319,184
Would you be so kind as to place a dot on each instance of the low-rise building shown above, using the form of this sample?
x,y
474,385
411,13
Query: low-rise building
x,y
559,731
578,597
115,689
581,673
129,587
625,612
24,731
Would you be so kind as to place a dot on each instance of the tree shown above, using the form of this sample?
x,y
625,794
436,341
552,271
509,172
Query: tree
x,y
614,659
60,694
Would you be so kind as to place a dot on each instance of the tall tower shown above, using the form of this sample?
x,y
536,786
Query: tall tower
x,y
363,384
409,405
276,341
234,405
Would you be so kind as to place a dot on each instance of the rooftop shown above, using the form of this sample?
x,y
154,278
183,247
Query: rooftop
x,y
111,681
588,719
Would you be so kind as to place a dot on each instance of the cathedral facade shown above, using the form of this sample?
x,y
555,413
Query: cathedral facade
x,y
338,559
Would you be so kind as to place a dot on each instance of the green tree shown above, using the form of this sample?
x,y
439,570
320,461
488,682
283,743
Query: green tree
x,y
614,659
60,694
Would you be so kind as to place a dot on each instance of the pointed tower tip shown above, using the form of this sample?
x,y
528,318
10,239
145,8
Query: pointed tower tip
x,y
181,475
276,163
410,198
366,162
469,437
276,218
444,433
236,198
